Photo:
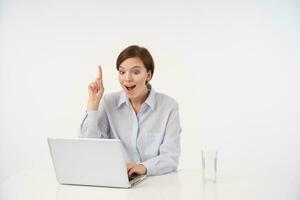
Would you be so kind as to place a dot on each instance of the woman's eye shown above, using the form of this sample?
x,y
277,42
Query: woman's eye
x,y
121,72
136,72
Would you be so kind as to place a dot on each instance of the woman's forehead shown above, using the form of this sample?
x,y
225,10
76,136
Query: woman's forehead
x,y
131,63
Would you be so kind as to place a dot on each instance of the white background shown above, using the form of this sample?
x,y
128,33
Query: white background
x,y
233,66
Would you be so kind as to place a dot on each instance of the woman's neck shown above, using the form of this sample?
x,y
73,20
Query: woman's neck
x,y
137,102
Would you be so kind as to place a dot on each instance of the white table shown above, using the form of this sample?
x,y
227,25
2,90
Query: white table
x,y
184,184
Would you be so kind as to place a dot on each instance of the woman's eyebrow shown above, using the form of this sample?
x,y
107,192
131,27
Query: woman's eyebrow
x,y
134,67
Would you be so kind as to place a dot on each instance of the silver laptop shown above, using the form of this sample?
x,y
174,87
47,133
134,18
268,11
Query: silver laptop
x,y
87,161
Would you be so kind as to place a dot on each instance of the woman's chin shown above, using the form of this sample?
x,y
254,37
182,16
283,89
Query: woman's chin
x,y
129,94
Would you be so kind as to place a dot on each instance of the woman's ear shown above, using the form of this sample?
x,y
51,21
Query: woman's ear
x,y
149,75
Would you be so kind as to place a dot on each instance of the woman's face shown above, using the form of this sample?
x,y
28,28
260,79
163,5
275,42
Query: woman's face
x,y
133,76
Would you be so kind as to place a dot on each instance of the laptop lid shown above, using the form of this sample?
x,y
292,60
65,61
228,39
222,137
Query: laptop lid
x,y
89,161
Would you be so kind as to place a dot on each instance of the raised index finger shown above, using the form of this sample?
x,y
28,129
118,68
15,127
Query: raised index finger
x,y
99,72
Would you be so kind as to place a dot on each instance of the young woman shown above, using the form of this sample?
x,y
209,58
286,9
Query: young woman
x,y
146,122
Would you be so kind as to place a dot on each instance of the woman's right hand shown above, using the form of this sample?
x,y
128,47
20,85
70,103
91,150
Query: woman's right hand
x,y
96,91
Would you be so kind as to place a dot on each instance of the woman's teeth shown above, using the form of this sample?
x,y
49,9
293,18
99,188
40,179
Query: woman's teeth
x,y
130,88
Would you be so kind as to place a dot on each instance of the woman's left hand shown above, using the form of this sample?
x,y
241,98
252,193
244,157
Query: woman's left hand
x,y
136,169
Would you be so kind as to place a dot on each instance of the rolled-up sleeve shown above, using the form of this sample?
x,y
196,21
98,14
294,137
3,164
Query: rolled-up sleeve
x,y
169,150
95,124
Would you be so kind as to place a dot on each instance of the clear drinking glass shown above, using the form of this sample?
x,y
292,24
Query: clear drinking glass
x,y
209,165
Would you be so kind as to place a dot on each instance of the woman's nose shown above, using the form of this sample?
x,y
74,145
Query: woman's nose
x,y
128,77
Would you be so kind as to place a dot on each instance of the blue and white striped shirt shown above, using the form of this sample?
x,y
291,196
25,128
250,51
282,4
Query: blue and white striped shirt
x,y
150,137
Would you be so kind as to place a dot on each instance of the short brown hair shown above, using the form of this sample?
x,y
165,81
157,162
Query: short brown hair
x,y
137,51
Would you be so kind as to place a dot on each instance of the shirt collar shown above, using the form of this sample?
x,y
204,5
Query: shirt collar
x,y
150,101
123,99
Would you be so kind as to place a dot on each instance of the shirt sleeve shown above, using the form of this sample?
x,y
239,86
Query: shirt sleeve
x,y
169,150
95,124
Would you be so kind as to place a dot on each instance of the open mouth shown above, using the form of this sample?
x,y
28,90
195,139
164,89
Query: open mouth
x,y
130,88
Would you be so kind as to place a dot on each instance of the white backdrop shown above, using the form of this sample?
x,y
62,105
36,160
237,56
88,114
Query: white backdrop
x,y
233,66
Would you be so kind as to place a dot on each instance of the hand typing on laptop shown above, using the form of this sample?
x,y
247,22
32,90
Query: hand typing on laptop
x,y
134,170
73,166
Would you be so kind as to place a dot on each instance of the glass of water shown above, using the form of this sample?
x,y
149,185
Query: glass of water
x,y
209,165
